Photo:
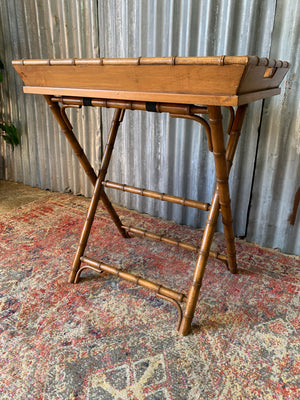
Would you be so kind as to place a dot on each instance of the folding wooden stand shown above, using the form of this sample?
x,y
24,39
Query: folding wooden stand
x,y
173,85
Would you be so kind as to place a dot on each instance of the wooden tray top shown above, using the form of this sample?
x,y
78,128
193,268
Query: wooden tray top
x,y
221,80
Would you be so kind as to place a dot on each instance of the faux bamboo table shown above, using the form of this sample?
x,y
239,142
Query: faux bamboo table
x,y
184,87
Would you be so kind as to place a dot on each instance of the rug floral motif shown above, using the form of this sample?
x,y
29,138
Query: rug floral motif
x,y
105,338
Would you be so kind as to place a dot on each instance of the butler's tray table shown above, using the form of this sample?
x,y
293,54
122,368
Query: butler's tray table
x,y
184,87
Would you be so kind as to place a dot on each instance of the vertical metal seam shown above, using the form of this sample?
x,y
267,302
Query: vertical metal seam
x,y
254,168
258,139
99,156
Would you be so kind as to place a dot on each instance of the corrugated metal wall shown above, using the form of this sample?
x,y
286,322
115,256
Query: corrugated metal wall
x,y
172,152
42,29
277,172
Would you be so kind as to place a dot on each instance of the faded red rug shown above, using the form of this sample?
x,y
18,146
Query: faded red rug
x,y
105,338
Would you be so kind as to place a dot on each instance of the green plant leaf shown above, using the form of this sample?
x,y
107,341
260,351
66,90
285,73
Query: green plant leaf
x,y
12,135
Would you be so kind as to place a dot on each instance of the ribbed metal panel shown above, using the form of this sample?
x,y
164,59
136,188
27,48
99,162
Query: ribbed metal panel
x,y
42,29
153,151
170,155
277,175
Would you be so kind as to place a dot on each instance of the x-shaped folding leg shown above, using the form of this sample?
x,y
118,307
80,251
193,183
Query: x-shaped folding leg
x,y
223,158
67,130
221,200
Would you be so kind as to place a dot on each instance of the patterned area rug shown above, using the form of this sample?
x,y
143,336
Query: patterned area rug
x,y
105,338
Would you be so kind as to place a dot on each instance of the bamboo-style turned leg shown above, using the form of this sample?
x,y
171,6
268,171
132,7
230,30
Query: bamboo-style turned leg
x,y
193,294
221,199
66,128
225,207
98,190
215,119
223,161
